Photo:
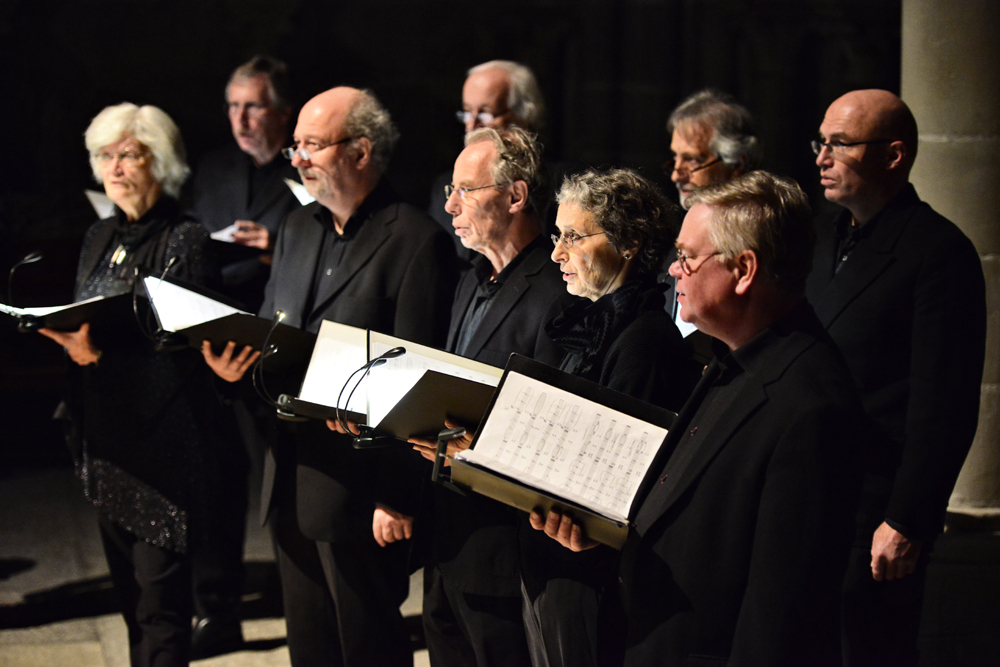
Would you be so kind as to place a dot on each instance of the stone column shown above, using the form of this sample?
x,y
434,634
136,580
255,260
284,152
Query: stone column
x,y
951,81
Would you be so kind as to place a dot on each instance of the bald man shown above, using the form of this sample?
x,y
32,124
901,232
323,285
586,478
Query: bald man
x,y
901,291
358,256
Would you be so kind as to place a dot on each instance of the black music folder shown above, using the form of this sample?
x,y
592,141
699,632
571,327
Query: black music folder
x,y
552,440
105,312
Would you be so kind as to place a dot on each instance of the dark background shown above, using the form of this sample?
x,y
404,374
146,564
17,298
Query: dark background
x,y
610,70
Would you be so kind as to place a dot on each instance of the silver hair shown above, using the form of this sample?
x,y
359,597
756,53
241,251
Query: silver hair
x,y
630,210
519,158
524,98
733,138
769,215
275,73
151,127
368,118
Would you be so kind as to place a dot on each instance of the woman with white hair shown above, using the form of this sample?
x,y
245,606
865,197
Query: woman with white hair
x,y
145,432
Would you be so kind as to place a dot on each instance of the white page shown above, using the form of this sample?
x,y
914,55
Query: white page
x,y
299,191
566,445
340,350
102,203
178,308
42,311
225,235
389,382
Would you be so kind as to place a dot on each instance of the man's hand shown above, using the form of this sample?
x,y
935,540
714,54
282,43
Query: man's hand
x,y
334,425
893,556
428,448
76,343
251,234
389,526
562,529
227,367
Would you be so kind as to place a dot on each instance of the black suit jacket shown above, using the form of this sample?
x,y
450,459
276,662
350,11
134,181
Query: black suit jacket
x,y
739,560
908,310
475,539
220,197
398,277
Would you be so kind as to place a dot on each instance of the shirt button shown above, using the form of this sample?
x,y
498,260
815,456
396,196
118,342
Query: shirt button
x,y
329,272
620,580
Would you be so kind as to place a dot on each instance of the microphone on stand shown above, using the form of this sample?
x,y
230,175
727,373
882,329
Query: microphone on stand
x,y
26,323
366,439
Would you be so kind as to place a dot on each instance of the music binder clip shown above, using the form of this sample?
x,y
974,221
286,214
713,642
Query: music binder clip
x,y
441,454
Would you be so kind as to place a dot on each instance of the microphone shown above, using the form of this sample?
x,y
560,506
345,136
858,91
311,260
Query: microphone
x,y
30,258
365,439
257,373
27,323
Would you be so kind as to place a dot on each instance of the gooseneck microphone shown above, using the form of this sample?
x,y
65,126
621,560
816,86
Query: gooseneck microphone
x,y
27,323
30,258
366,439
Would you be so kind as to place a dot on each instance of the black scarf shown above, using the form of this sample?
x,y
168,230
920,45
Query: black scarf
x,y
587,329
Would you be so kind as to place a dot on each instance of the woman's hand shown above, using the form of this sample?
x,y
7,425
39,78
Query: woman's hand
x,y
76,343
334,425
428,448
561,528
227,367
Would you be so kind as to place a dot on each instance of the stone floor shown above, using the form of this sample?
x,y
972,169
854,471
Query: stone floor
x,y
56,605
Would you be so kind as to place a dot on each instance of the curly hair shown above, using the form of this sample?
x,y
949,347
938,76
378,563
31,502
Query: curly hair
x,y
630,209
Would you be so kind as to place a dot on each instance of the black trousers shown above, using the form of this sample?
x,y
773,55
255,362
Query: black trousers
x,y
341,600
154,586
467,629
881,619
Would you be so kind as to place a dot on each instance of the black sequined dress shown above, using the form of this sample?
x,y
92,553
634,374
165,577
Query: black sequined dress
x,y
149,423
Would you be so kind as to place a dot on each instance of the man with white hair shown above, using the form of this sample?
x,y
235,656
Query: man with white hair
x,y
357,256
496,94
712,140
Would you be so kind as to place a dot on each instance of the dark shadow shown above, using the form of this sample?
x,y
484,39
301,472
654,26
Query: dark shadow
x,y
11,566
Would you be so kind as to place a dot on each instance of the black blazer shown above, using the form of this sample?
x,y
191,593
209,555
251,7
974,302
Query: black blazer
x,y
474,538
398,278
908,310
220,190
739,561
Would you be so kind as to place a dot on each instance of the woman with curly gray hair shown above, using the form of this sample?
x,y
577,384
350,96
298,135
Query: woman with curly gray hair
x,y
615,229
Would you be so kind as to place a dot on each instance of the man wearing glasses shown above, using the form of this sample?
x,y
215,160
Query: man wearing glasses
x,y
901,291
244,184
472,585
358,256
712,139
496,94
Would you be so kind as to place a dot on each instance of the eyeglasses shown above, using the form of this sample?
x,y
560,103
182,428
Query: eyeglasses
x,y
569,239
252,109
687,167
485,118
837,147
310,147
125,158
683,260
450,189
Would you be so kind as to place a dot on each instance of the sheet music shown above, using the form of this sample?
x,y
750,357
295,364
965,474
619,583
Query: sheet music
x,y
389,382
226,235
299,191
566,445
42,311
178,308
102,204
340,350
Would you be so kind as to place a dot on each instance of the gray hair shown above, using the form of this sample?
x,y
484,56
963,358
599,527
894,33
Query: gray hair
x,y
733,138
274,71
769,215
519,158
630,209
524,98
151,127
368,118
